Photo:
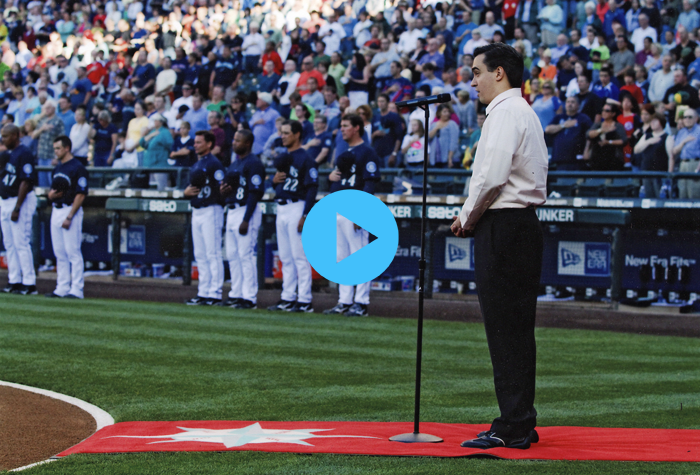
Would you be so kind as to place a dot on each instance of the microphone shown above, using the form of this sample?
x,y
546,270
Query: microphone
x,y
424,101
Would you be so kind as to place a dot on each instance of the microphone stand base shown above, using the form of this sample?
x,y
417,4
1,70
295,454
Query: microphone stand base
x,y
413,437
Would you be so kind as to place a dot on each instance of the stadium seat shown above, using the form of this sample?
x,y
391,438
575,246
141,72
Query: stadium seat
x,y
592,187
620,188
566,187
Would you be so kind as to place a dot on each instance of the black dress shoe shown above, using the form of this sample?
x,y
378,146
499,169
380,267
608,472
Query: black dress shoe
x,y
491,440
534,436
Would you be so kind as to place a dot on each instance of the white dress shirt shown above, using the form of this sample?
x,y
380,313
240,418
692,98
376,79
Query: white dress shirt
x,y
332,41
510,166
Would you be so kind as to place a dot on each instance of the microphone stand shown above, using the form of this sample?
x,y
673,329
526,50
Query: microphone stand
x,y
416,435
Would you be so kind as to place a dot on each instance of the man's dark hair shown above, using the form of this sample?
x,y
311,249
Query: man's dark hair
x,y
10,116
355,121
606,70
247,135
505,56
208,136
65,141
331,89
295,126
385,96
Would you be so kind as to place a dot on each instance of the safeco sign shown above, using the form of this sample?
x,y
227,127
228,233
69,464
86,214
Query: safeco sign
x,y
160,206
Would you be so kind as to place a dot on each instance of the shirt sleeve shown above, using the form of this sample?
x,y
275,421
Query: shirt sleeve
x,y
81,184
492,166
26,172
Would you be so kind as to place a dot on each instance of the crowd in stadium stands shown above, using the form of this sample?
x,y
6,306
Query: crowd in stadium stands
x,y
615,84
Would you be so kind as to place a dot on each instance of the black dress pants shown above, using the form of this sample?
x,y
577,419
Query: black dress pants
x,y
508,262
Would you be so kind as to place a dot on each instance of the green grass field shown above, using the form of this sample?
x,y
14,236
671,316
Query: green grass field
x,y
147,361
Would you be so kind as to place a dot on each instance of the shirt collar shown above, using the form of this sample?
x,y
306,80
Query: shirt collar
x,y
513,92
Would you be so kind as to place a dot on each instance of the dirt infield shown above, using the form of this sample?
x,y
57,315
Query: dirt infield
x,y
35,427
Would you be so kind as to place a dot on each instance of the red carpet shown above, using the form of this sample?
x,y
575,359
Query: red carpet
x,y
371,438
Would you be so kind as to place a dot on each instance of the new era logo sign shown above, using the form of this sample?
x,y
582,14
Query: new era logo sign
x,y
590,259
569,258
455,253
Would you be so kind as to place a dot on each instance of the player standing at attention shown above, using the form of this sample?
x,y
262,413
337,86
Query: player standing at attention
x,y
243,187
18,208
207,220
295,194
356,169
69,187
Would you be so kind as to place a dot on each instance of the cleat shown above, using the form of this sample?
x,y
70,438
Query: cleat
x,y
340,309
211,302
10,288
196,301
228,303
302,308
282,306
244,304
357,310
29,290
53,295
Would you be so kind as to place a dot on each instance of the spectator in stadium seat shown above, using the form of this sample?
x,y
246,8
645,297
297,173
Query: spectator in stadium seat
x,y
49,127
80,93
262,123
358,76
307,127
622,60
687,149
607,140
302,86
320,143
182,152
661,80
270,54
689,18
65,113
643,31
681,93
104,136
632,88
158,145
268,82
252,49
387,132
220,138
684,50
604,87
655,149
434,56
430,79
547,105
197,116
552,22
466,111
79,136
444,139
314,98
144,76
526,15
381,63
218,100
568,131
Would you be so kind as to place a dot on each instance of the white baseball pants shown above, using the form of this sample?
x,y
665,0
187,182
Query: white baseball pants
x,y
66,247
17,238
241,255
349,240
296,270
207,224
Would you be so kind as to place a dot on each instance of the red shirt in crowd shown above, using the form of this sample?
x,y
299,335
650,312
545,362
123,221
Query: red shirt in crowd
x,y
303,88
276,60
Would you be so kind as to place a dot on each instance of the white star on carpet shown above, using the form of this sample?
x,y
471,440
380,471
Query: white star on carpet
x,y
252,434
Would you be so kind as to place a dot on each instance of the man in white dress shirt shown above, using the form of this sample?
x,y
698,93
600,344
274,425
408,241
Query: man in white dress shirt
x,y
509,179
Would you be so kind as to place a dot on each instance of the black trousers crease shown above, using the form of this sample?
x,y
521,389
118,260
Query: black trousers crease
x,y
508,263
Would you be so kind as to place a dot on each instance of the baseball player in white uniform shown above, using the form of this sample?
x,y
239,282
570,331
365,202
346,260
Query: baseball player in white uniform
x,y
207,220
69,187
296,184
18,208
356,169
243,187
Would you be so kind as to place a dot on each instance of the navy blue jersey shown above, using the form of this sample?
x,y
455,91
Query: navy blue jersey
x,y
183,160
19,166
302,175
347,180
214,174
77,176
326,139
251,178
226,71
365,169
